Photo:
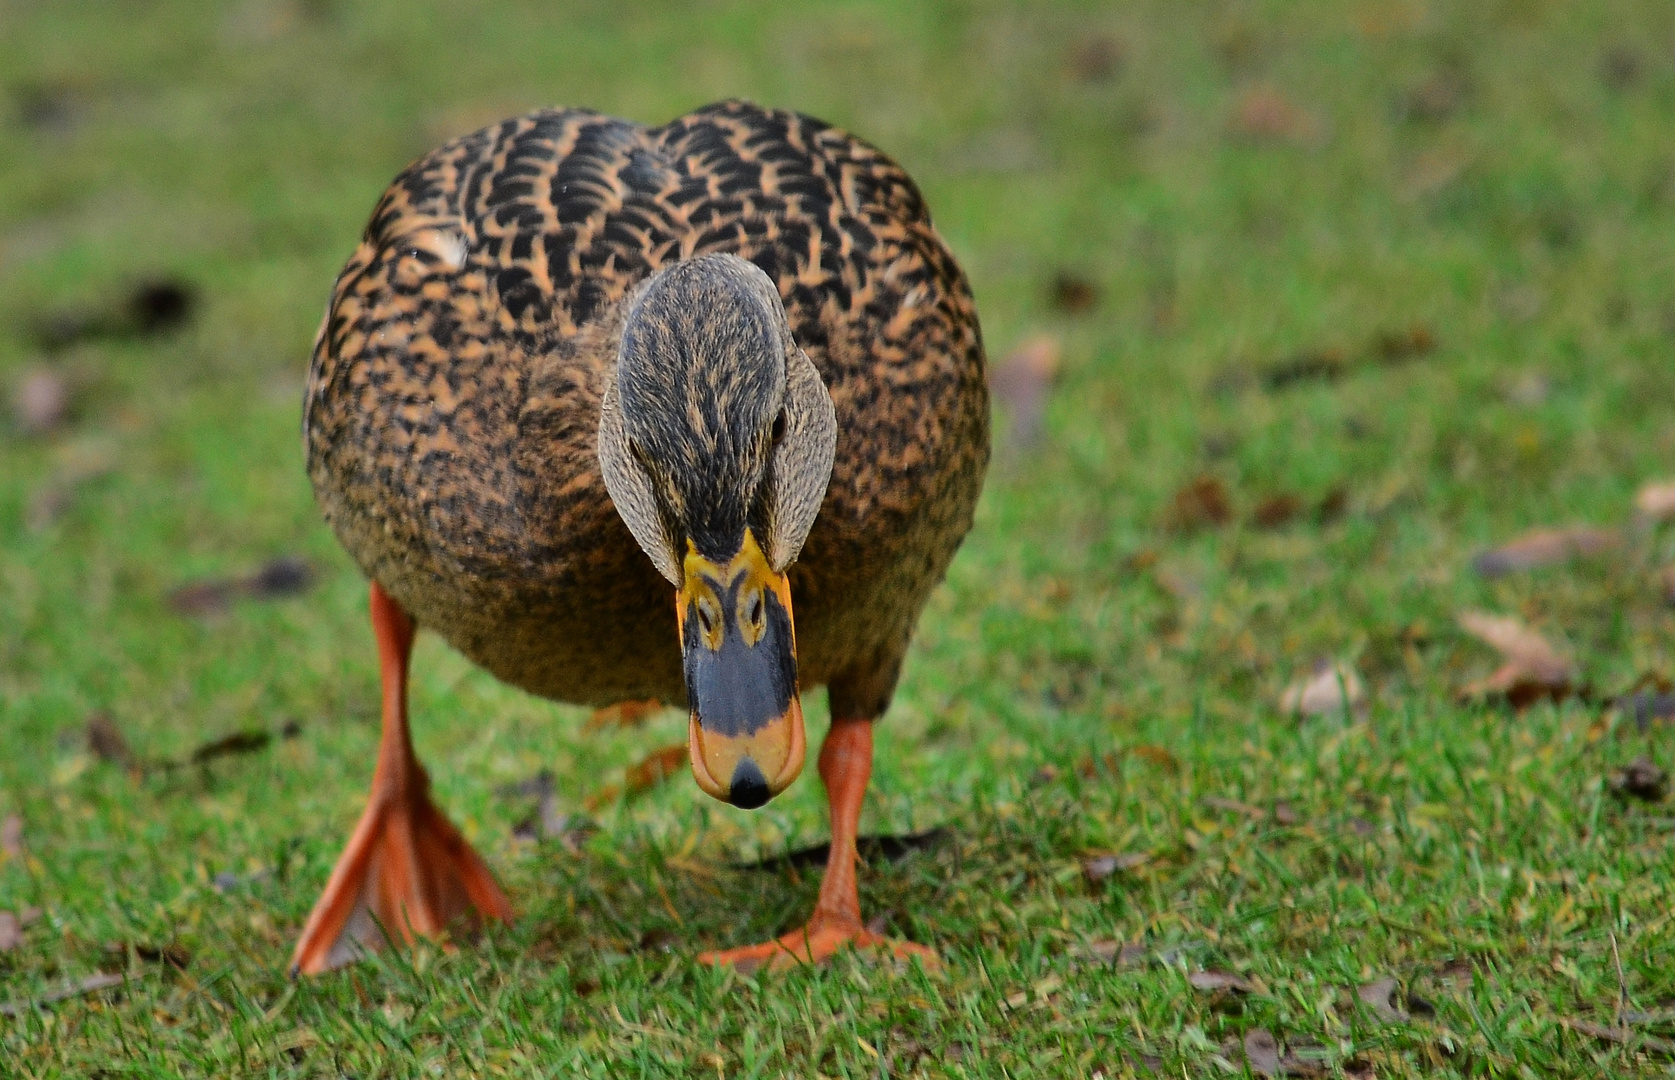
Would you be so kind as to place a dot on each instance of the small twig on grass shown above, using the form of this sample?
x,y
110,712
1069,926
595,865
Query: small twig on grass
x,y
68,990
1621,1035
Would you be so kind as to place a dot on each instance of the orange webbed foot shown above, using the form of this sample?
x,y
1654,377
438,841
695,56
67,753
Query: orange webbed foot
x,y
819,941
406,872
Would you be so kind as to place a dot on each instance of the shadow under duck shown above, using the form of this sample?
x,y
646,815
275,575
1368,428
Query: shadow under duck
x,y
595,402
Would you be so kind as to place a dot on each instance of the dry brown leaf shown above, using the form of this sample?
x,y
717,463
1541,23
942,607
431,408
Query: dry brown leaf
x,y
11,931
1394,347
1330,690
1021,383
1097,868
1378,995
105,740
1073,294
1121,953
11,837
1220,980
1284,814
1264,113
1203,502
1655,502
1262,1052
657,767
626,714
1157,755
239,742
1310,365
40,401
1234,806
1276,510
1641,779
1532,668
1097,59
1545,547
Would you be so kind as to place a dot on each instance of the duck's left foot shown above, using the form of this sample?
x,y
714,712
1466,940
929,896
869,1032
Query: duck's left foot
x,y
823,937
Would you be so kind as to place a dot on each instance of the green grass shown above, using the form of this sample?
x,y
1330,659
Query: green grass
x,y
1495,172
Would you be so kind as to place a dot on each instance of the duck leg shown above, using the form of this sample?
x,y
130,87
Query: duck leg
x,y
406,870
845,767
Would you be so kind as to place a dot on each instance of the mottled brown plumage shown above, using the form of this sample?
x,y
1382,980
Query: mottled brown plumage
x,y
453,405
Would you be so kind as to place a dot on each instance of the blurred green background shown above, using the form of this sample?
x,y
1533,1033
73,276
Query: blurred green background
x,y
1404,267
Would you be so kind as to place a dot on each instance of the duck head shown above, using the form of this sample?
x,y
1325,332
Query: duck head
x,y
716,438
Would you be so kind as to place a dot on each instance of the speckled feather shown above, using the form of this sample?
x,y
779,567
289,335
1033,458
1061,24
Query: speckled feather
x,y
452,407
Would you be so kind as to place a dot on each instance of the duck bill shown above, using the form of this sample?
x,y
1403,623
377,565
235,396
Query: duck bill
x,y
739,651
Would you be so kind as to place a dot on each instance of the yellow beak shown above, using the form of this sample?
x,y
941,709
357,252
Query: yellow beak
x,y
739,650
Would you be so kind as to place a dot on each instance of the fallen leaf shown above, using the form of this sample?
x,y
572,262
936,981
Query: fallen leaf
x,y
1532,668
1203,502
1330,690
1621,1035
284,576
1397,346
1655,502
1332,505
1021,382
657,767
1097,59
40,401
1545,547
239,742
1262,1052
11,932
105,740
1642,779
287,575
661,939
1456,970
1308,366
1157,755
11,837
624,714
1620,68
149,308
1073,294
1378,995
1263,113
1120,953
1234,806
1437,98
1097,868
203,598
1666,578
68,990
1284,814
1276,510
1220,980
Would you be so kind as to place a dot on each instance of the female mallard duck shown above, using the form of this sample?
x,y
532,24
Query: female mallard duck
x,y
578,368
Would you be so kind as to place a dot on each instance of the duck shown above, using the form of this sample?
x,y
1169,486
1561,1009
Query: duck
x,y
694,413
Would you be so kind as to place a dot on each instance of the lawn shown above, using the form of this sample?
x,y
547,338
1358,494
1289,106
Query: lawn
x,y
1342,295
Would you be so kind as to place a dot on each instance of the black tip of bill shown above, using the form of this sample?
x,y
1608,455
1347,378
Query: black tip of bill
x,y
749,788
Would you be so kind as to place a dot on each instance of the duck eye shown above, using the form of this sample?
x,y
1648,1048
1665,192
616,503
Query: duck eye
x,y
779,428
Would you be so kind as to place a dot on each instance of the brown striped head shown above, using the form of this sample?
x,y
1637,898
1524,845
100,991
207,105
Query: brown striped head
x,y
716,439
